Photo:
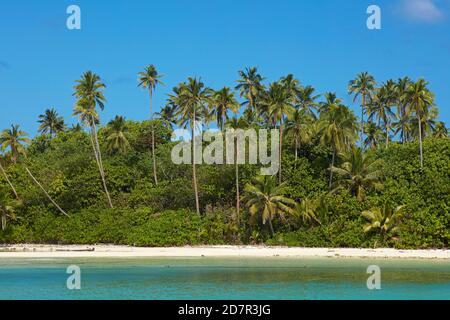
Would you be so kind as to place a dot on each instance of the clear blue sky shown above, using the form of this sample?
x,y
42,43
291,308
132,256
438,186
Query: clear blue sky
x,y
324,43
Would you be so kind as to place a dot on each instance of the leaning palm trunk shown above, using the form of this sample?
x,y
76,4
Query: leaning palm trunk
x,y
194,174
296,150
98,156
9,181
387,135
363,106
238,200
45,192
420,142
153,137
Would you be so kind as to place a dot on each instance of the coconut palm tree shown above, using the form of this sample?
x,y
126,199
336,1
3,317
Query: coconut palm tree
x,y
89,92
278,102
401,88
440,131
381,105
419,101
191,99
51,122
384,220
358,173
167,114
299,128
306,100
150,78
116,140
13,139
362,86
337,128
374,135
222,102
263,196
306,210
250,87
236,124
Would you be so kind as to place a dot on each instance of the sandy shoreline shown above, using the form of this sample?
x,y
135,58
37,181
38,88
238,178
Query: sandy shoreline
x,y
112,251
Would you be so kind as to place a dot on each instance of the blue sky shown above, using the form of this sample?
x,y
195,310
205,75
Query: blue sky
x,y
324,43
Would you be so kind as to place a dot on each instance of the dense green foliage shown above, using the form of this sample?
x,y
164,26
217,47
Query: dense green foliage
x,y
154,205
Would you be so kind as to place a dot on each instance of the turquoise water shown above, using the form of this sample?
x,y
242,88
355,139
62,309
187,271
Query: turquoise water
x,y
208,278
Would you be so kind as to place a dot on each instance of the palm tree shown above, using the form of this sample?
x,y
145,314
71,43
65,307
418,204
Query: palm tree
x,y
116,140
167,114
250,87
419,100
380,107
89,92
13,139
401,88
337,128
7,208
440,131
359,172
191,99
306,100
278,102
306,210
299,127
149,78
384,220
222,102
237,123
374,135
51,122
263,196
363,87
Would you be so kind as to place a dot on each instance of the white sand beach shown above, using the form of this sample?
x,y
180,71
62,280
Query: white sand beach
x,y
113,251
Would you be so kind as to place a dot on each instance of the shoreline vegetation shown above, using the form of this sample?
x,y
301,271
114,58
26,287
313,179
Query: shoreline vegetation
x,y
113,251
381,180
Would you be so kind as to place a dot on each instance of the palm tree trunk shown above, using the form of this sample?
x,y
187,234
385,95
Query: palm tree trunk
x,y
363,106
332,165
272,232
45,192
387,135
296,150
420,142
9,181
194,173
153,137
238,200
281,150
100,162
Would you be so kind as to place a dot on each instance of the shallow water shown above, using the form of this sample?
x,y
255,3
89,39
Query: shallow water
x,y
223,278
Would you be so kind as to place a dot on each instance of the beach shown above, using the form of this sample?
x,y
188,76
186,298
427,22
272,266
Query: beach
x,y
115,251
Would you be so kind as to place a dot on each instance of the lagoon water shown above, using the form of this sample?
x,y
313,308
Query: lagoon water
x,y
219,278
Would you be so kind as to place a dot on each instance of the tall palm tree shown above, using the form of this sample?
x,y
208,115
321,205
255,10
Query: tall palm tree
x,y
13,139
222,102
89,92
306,100
359,172
167,114
51,122
250,87
116,140
362,86
237,123
191,98
337,128
401,88
278,102
299,127
440,131
263,196
381,107
419,101
150,78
